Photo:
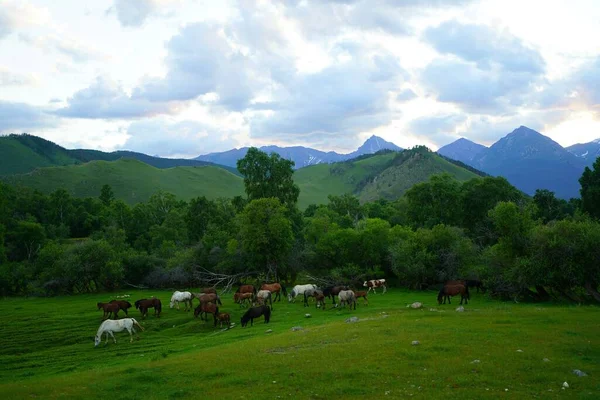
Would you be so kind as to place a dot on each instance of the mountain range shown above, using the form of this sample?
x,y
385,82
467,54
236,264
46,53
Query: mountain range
x,y
301,156
529,160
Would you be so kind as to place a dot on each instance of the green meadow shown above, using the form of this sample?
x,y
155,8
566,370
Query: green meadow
x,y
48,351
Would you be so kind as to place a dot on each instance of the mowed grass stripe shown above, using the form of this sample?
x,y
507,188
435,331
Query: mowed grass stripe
x,y
329,358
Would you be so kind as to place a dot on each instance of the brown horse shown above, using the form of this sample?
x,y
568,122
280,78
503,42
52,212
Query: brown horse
x,y
208,298
224,318
109,308
207,308
319,299
275,288
242,298
144,304
246,289
208,290
363,294
123,305
452,290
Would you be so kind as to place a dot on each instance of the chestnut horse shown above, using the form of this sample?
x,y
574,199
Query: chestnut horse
x,y
363,294
452,290
207,308
109,308
123,305
224,318
208,298
275,288
319,299
242,298
246,289
144,304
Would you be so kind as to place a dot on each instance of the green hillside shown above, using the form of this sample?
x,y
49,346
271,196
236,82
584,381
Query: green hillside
x,y
20,154
24,153
132,180
383,175
407,169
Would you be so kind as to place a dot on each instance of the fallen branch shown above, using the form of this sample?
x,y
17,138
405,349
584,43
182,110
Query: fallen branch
x,y
226,281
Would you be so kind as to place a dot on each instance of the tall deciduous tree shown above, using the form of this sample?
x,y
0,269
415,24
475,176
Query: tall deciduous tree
x,y
268,176
106,195
266,234
590,190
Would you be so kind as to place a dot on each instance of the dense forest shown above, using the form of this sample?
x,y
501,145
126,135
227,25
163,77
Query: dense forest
x,y
521,247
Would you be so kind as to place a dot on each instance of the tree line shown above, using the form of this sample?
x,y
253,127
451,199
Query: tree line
x,y
520,247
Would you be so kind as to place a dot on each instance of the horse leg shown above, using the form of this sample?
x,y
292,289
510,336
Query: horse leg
x,y
113,336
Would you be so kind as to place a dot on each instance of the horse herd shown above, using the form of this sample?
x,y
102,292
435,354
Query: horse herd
x,y
256,299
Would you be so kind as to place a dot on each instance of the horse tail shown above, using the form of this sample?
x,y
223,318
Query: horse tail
x,y
137,323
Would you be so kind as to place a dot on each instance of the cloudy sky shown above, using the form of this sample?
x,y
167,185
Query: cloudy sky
x,y
179,78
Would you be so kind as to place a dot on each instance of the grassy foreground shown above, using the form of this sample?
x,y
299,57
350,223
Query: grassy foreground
x,y
48,352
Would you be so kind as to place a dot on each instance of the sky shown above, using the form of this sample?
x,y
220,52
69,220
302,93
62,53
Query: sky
x,y
180,78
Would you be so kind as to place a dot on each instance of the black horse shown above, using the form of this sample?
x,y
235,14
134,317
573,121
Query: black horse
x,y
474,283
256,312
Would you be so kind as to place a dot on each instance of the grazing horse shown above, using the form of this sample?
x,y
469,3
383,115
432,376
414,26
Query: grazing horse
x,y
347,297
224,318
185,297
242,298
123,305
256,312
111,326
246,289
319,300
332,291
299,290
109,308
452,290
363,294
208,290
262,296
311,293
208,298
275,288
144,304
207,308
374,284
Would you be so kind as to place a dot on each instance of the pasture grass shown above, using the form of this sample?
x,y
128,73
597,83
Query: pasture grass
x,y
48,351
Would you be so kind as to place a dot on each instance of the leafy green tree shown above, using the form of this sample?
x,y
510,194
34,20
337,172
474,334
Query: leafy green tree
x,y
266,234
347,207
28,238
436,201
107,195
2,249
590,190
430,256
373,243
268,176
549,208
61,206
477,197
198,216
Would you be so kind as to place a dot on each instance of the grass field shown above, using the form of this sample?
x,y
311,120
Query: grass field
x,y
48,351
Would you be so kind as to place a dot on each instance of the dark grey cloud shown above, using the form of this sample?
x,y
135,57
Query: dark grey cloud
x,y
107,99
484,46
21,117
176,139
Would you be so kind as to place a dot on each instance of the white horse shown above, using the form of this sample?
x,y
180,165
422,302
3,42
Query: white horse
x,y
118,325
262,296
347,297
299,290
178,296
